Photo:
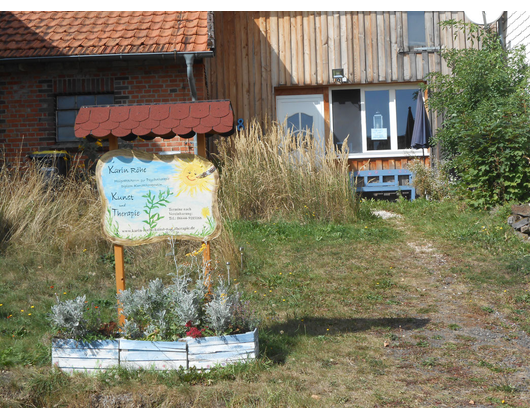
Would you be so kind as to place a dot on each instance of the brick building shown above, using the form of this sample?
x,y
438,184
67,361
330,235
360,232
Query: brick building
x,y
52,63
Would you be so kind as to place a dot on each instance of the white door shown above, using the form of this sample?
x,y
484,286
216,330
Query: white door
x,y
302,113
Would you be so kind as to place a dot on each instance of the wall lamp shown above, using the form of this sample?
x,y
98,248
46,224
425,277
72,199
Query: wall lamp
x,y
338,76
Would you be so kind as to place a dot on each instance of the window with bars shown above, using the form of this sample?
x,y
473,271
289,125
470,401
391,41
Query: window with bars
x,y
67,108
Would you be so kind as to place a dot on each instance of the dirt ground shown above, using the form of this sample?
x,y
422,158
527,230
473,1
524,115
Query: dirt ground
x,y
466,346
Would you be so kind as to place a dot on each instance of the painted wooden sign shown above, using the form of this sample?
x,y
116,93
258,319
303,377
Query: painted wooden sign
x,y
148,197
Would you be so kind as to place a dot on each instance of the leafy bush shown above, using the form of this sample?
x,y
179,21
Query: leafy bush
x,y
485,133
433,183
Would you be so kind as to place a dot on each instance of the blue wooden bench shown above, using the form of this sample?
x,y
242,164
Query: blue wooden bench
x,y
383,183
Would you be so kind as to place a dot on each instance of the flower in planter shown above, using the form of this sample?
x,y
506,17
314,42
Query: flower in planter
x,y
194,332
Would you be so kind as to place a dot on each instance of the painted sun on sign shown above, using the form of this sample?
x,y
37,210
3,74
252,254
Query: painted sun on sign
x,y
147,197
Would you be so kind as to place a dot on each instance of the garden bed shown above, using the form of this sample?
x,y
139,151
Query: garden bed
x,y
201,353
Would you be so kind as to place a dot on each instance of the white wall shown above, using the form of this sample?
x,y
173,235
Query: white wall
x,y
518,30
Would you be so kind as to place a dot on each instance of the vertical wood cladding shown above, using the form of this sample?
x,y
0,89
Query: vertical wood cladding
x,y
257,52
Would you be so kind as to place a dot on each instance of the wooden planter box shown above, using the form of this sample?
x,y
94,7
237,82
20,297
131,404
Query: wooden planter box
x,y
157,355
207,352
201,353
73,356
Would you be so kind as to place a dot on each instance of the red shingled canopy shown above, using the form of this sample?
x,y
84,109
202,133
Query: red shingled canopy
x,y
183,119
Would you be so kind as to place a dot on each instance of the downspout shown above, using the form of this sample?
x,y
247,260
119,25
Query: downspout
x,y
190,58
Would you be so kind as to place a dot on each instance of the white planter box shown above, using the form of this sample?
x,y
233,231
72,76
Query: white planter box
x,y
158,355
73,356
207,352
201,353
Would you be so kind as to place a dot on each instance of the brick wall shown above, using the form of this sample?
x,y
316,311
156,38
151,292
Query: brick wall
x,y
28,93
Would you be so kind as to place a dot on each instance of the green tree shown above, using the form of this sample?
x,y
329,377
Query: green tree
x,y
485,134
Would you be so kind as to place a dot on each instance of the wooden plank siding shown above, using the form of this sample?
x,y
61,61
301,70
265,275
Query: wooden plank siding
x,y
260,55
382,163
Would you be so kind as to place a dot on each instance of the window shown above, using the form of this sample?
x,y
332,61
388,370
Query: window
x,y
416,29
346,118
378,121
405,112
67,108
300,123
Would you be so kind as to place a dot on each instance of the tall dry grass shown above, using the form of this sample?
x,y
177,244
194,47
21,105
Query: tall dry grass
x,y
64,217
267,175
36,212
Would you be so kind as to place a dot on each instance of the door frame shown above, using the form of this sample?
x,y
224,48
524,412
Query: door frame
x,y
319,122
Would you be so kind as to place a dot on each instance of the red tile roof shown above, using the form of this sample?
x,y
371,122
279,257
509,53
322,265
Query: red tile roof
x,y
44,34
183,119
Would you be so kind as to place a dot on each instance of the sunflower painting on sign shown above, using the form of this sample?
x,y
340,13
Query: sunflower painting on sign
x,y
148,197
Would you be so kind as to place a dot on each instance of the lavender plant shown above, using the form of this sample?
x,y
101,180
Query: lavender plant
x,y
168,312
218,311
68,317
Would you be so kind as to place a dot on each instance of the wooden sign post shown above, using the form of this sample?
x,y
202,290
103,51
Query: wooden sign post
x,y
148,198
119,260
206,259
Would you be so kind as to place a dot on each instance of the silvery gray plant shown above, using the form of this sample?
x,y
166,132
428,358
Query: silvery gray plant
x,y
218,311
160,312
185,302
226,309
68,317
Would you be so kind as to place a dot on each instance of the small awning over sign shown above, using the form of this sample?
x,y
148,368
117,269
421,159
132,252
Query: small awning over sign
x,y
183,119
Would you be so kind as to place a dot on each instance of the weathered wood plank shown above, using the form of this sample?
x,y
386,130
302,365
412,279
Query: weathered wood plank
x,y
93,345
157,355
140,345
207,352
79,356
257,56
521,209
58,353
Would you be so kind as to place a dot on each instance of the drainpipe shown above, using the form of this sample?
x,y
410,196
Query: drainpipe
x,y
190,58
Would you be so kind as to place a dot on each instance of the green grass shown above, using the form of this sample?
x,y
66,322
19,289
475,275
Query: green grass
x,y
350,316
329,296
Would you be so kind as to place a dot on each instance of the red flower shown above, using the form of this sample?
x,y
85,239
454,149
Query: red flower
x,y
188,324
194,332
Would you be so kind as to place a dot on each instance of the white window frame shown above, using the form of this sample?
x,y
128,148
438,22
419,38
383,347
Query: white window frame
x,y
393,151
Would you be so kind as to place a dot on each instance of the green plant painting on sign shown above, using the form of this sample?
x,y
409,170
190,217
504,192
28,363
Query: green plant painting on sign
x,y
155,203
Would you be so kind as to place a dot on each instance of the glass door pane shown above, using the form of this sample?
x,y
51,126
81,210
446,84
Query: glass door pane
x,y
347,119
377,119
405,111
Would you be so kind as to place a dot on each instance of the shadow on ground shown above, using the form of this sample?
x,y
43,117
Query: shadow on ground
x,y
277,341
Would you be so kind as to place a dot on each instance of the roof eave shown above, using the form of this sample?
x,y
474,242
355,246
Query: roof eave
x,y
116,56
